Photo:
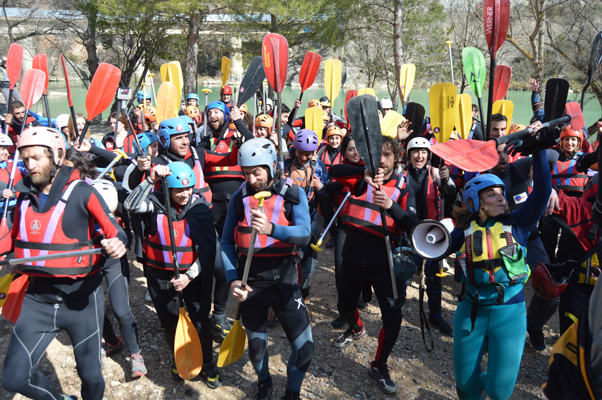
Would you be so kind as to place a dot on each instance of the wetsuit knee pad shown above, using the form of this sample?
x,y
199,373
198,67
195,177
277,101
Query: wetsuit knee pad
x,y
257,348
304,356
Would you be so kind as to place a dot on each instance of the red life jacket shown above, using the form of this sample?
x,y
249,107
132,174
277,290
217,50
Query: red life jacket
x,y
361,213
201,188
325,158
42,234
157,248
457,175
224,146
273,207
128,143
566,177
431,200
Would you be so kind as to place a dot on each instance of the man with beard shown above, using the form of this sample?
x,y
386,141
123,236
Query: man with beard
x,y
57,212
14,120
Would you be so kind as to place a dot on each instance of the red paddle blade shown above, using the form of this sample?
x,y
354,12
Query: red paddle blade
x,y
32,86
468,155
348,96
574,110
496,17
14,59
309,69
14,299
69,98
503,74
40,62
102,89
275,60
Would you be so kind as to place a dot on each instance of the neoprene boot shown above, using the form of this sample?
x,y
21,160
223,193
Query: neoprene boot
x,y
290,395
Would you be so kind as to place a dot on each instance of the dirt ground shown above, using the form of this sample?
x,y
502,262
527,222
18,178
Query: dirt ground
x,y
333,374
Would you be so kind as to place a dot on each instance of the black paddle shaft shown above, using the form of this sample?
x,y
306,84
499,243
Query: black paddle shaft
x,y
172,239
13,170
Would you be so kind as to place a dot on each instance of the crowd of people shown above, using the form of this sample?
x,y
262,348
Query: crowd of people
x,y
510,221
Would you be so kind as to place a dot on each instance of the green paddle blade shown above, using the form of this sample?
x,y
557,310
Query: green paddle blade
x,y
474,69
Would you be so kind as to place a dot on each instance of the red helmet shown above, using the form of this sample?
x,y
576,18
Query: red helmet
x,y
544,284
226,90
569,132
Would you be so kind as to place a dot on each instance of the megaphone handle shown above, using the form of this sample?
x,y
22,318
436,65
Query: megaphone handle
x,y
441,274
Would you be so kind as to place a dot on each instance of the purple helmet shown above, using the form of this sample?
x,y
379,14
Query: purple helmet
x,y
306,140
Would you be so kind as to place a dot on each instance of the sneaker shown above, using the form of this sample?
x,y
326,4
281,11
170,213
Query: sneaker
x,y
138,368
108,349
537,340
264,389
338,323
174,374
221,326
272,319
348,337
211,377
147,297
441,324
381,375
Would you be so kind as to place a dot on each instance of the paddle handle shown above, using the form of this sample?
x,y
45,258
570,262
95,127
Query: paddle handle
x,y
334,217
245,275
527,132
47,110
82,253
205,116
383,218
480,101
108,168
490,96
13,172
152,82
9,101
254,110
279,136
172,239
82,135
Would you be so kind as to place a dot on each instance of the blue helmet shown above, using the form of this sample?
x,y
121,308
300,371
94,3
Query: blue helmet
x,y
221,106
258,151
182,176
193,96
146,139
140,96
477,185
170,127
187,119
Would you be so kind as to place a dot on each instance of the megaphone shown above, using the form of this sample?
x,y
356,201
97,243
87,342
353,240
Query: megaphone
x,y
431,239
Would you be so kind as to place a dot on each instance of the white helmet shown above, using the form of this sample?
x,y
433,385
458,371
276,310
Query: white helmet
x,y
108,192
5,141
386,104
417,144
61,121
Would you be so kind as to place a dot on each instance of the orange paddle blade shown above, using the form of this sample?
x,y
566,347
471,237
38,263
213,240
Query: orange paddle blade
x,y
14,299
468,155
187,348
102,89
233,346
14,61
32,86
67,83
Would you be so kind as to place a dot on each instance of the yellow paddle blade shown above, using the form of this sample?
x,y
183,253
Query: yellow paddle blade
x,y
366,91
333,70
175,77
164,72
504,107
187,348
463,115
167,101
226,65
314,120
406,80
442,98
178,79
389,124
233,346
5,282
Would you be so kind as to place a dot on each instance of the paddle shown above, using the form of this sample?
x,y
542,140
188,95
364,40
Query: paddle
x,y
474,69
316,246
314,120
188,352
389,124
5,282
442,97
69,97
206,91
451,60
167,101
309,71
14,298
496,18
165,74
14,60
415,114
463,108
275,64
55,256
152,84
366,91
477,156
348,96
175,72
503,74
233,346
595,59
406,81
251,82
32,87
504,107
333,70
101,93
365,125
226,65
40,62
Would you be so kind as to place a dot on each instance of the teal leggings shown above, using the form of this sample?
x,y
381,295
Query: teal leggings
x,y
500,328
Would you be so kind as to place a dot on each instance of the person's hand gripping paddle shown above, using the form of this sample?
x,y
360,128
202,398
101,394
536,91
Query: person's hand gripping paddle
x,y
233,346
188,352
